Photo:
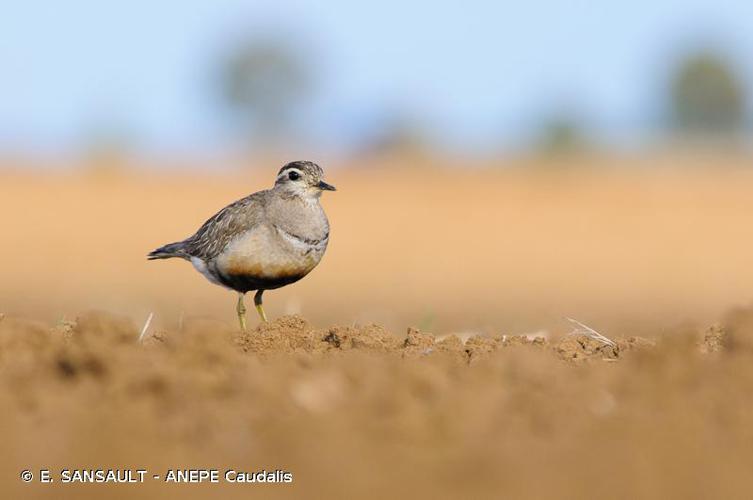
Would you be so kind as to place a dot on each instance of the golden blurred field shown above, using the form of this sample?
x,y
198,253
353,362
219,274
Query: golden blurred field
x,y
649,251
652,244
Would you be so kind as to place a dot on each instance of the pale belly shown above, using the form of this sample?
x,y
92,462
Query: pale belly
x,y
267,258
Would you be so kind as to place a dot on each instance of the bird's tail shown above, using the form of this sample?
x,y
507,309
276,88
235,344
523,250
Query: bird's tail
x,y
168,251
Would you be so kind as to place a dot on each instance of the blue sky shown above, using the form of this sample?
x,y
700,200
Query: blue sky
x,y
475,73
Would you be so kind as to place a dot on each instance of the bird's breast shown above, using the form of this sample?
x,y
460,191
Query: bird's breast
x,y
270,253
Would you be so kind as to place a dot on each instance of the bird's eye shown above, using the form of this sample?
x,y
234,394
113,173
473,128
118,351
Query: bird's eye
x,y
294,176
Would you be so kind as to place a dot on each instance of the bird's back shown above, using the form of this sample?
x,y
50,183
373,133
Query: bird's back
x,y
214,235
263,241
219,230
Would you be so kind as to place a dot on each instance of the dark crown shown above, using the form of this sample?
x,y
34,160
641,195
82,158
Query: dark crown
x,y
304,166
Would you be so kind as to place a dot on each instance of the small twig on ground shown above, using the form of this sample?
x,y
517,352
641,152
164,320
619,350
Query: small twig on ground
x,y
581,329
146,326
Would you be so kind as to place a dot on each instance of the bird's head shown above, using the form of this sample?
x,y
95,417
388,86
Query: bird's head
x,y
302,178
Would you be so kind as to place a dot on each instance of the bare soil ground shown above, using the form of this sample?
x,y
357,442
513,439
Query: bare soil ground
x,y
357,411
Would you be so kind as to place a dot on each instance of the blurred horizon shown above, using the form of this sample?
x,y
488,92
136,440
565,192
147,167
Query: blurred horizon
x,y
336,79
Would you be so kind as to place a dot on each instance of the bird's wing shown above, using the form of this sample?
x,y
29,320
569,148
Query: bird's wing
x,y
214,235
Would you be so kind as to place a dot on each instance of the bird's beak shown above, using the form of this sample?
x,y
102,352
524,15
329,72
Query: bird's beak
x,y
325,187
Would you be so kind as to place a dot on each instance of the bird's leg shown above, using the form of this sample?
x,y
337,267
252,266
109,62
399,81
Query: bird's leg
x,y
241,312
259,308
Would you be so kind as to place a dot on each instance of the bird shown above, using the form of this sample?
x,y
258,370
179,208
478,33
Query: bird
x,y
265,241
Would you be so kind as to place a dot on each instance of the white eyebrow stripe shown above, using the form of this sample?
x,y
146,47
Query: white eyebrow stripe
x,y
285,172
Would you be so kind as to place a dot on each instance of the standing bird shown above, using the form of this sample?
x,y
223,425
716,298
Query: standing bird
x,y
264,241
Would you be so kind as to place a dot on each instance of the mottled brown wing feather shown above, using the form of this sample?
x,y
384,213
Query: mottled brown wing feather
x,y
214,235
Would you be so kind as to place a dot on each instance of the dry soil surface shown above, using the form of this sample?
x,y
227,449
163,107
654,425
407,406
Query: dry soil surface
x,y
361,412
